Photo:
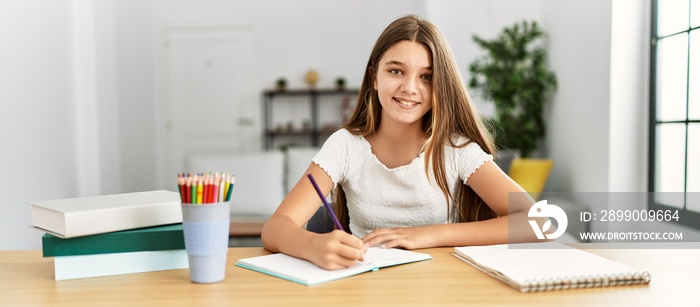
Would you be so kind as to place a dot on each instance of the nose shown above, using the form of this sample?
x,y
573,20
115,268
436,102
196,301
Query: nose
x,y
410,85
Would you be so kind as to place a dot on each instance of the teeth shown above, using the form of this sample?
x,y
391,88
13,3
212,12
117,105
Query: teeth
x,y
406,103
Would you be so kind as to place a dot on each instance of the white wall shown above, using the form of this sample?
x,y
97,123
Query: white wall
x,y
37,113
459,20
43,89
578,119
135,95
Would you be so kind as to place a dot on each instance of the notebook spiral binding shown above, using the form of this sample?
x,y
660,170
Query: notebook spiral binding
x,y
586,282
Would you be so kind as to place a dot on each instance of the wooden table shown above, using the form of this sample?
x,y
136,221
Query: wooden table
x,y
27,279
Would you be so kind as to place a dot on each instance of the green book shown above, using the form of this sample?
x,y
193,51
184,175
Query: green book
x,y
159,238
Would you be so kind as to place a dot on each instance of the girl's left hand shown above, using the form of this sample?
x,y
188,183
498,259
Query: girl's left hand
x,y
408,238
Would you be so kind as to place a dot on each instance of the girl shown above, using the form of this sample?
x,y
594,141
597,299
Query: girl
x,y
412,167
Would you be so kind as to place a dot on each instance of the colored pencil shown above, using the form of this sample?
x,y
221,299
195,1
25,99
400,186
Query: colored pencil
x,y
325,203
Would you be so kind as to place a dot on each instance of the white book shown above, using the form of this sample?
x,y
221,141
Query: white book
x,y
306,273
74,217
74,267
533,267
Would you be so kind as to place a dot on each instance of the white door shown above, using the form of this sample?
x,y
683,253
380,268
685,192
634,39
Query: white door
x,y
206,92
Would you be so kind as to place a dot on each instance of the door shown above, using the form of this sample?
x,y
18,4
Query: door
x,y
206,94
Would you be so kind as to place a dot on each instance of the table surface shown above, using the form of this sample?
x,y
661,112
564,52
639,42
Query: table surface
x,y
28,279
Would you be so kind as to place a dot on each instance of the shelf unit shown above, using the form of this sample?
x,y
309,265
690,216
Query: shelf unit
x,y
313,132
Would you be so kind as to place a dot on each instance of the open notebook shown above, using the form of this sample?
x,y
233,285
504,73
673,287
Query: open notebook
x,y
553,267
307,273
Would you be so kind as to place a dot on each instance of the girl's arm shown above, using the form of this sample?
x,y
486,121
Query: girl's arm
x,y
284,231
493,186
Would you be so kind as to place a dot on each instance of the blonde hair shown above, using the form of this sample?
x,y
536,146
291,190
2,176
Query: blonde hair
x,y
452,113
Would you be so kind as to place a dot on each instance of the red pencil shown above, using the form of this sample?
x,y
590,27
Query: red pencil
x,y
215,190
188,189
207,189
181,187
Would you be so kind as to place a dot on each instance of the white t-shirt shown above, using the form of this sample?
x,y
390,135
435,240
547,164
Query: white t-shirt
x,y
379,197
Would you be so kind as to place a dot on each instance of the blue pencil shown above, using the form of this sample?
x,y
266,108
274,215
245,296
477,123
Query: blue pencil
x,y
325,203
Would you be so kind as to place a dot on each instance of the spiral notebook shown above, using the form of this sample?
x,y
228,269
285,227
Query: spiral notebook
x,y
550,266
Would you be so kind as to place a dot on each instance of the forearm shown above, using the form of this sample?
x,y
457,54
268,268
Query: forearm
x,y
281,234
494,231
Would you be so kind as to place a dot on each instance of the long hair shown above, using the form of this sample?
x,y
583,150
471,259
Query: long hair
x,y
452,114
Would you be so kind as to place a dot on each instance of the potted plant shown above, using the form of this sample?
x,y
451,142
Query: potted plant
x,y
340,83
513,75
281,84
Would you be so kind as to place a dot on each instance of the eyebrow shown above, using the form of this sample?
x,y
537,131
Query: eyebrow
x,y
394,62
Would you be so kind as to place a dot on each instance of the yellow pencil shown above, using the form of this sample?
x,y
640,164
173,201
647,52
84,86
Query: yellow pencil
x,y
200,190
226,182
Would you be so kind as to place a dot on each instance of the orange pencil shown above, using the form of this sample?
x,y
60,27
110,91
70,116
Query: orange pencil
x,y
211,189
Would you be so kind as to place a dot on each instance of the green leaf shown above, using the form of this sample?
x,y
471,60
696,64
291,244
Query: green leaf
x,y
513,75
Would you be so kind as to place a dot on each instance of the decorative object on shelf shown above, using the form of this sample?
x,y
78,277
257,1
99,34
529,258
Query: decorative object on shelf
x,y
311,78
514,76
281,84
340,83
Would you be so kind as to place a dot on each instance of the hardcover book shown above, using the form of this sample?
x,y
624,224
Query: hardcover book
x,y
75,217
73,267
168,237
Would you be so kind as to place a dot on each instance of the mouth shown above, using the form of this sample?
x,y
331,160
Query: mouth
x,y
406,103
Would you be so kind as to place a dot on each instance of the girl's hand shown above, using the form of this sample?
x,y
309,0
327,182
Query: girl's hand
x,y
408,238
336,250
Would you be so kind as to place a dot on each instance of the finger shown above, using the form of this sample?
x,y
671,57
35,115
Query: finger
x,y
379,240
350,252
392,243
334,266
346,246
370,237
348,239
364,251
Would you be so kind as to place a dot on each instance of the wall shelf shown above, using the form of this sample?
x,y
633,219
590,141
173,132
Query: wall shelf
x,y
314,132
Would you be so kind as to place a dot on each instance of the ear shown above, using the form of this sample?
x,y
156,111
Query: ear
x,y
372,75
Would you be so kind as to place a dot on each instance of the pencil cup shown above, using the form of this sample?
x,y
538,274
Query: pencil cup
x,y
206,240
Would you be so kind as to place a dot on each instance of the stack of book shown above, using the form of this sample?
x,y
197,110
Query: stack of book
x,y
112,234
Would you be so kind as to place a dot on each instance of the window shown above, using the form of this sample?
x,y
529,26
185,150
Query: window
x,y
675,108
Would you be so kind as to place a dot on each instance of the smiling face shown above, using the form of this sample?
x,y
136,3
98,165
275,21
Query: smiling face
x,y
403,82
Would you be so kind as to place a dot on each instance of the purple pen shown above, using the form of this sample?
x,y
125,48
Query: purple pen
x,y
325,203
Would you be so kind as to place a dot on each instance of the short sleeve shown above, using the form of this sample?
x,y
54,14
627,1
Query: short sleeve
x,y
333,156
469,159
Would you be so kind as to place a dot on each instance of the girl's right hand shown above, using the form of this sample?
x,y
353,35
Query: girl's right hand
x,y
336,250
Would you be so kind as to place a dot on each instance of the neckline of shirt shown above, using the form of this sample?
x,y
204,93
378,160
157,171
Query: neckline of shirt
x,y
398,168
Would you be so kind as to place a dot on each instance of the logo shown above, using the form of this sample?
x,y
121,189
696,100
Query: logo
x,y
542,209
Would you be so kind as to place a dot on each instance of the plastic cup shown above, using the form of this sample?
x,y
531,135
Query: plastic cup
x,y
206,240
